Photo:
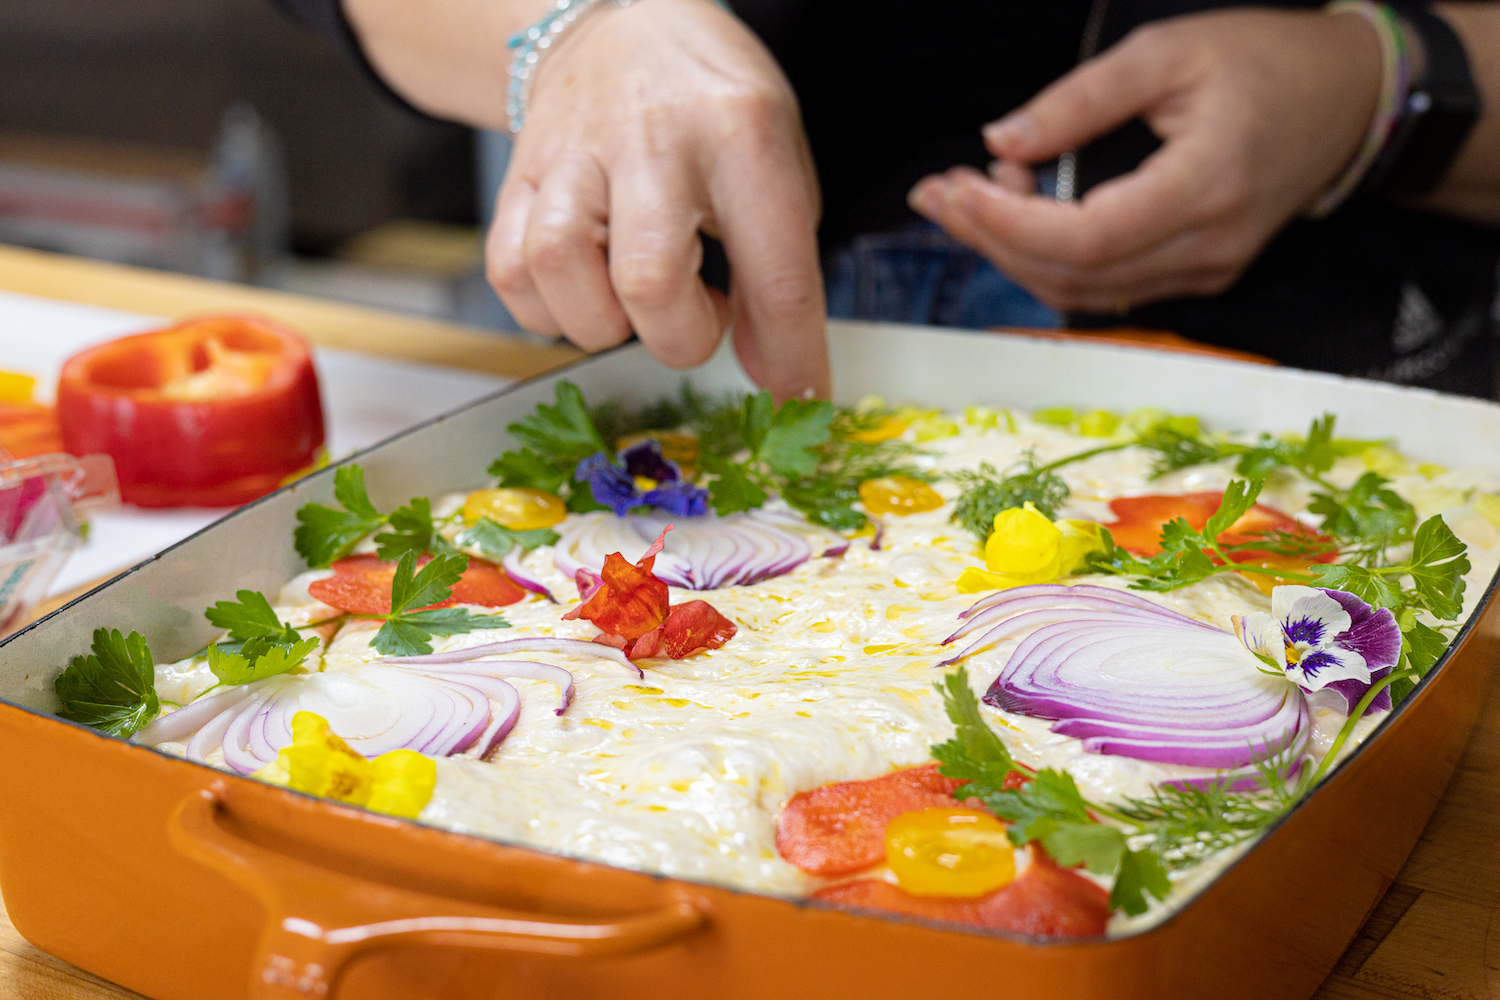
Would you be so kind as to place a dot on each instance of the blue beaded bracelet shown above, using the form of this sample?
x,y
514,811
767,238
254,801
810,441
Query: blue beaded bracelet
x,y
529,45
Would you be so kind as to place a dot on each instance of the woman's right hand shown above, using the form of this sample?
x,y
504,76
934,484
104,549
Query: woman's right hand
x,y
648,124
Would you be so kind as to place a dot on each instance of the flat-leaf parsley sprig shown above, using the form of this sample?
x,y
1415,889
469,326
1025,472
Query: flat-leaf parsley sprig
x,y
1143,839
412,621
327,534
258,643
113,688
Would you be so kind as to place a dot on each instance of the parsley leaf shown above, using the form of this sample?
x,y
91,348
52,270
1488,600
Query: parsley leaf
x,y
405,632
433,583
1048,809
258,659
114,688
526,468
496,541
975,754
731,490
1365,583
1239,497
798,427
251,617
1437,567
1368,514
325,534
564,431
412,530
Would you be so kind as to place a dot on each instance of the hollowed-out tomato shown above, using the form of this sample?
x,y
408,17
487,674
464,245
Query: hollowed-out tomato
x,y
212,412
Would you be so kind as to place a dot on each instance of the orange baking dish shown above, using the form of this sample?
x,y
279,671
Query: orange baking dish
x,y
187,883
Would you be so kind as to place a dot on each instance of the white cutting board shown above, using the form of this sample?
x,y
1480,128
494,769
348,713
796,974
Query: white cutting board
x,y
365,399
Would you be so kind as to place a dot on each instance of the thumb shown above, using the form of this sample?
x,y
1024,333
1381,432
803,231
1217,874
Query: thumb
x,y
1093,99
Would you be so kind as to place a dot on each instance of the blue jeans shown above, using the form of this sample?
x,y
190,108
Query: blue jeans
x,y
923,275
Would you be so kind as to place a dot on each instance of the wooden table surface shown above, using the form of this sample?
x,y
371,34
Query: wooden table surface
x,y
1429,939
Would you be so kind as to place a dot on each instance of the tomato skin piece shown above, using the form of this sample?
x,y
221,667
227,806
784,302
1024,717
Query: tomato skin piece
x,y
211,452
839,829
1139,521
362,585
1043,900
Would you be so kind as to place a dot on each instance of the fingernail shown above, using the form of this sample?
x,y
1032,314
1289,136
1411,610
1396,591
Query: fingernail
x,y
1010,131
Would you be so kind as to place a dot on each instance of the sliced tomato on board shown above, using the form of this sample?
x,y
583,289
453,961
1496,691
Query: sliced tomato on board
x,y
1044,900
212,412
839,829
1139,522
362,584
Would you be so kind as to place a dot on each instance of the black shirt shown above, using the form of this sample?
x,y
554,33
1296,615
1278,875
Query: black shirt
x,y
892,90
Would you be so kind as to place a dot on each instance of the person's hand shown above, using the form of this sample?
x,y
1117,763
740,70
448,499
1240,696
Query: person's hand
x,y
648,124
1259,112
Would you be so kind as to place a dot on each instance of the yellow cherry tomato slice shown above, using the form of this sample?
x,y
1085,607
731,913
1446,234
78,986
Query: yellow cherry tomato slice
x,y
890,427
949,852
898,495
516,508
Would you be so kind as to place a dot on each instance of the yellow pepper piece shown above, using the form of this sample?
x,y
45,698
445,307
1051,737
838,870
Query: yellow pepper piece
x,y
16,387
516,508
949,852
399,783
1431,469
891,427
1488,507
982,417
1098,423
898,495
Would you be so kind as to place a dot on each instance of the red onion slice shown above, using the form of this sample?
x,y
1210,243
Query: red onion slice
x,y
512,564
515,668
1133,679
702,553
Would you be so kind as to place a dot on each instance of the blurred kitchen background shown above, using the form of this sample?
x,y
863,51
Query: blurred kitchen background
x,y
218,140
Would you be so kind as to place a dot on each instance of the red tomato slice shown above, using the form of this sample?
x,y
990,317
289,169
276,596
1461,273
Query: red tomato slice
x,y
1139,521
213,412
840,829
1043,900
362,584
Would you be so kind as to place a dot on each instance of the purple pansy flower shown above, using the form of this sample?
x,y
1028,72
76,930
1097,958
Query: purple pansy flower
x,y
1326,640
645,479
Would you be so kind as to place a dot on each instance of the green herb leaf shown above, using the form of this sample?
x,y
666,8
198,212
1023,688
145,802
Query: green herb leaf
x,y
756,415
1139,872
799,427
732,490
526,468
250,617
1239,497
1368,514
496,541
257,660
433,583
564,431
975,754
114,688
1437,566
325,534
1097,847
412,531
407,634
1366,584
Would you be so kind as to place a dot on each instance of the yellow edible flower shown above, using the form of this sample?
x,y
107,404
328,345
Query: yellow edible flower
x,y
398,783
1025,548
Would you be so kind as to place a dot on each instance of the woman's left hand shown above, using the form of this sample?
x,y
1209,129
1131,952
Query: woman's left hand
x,y
1259,111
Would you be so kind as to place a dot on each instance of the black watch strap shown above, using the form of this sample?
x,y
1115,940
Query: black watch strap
x,y
1441,109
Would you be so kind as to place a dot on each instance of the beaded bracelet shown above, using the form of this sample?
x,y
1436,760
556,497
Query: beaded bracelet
x,y
531,43
1395,81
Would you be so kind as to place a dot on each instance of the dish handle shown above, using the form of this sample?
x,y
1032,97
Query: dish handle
x,y
318,919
